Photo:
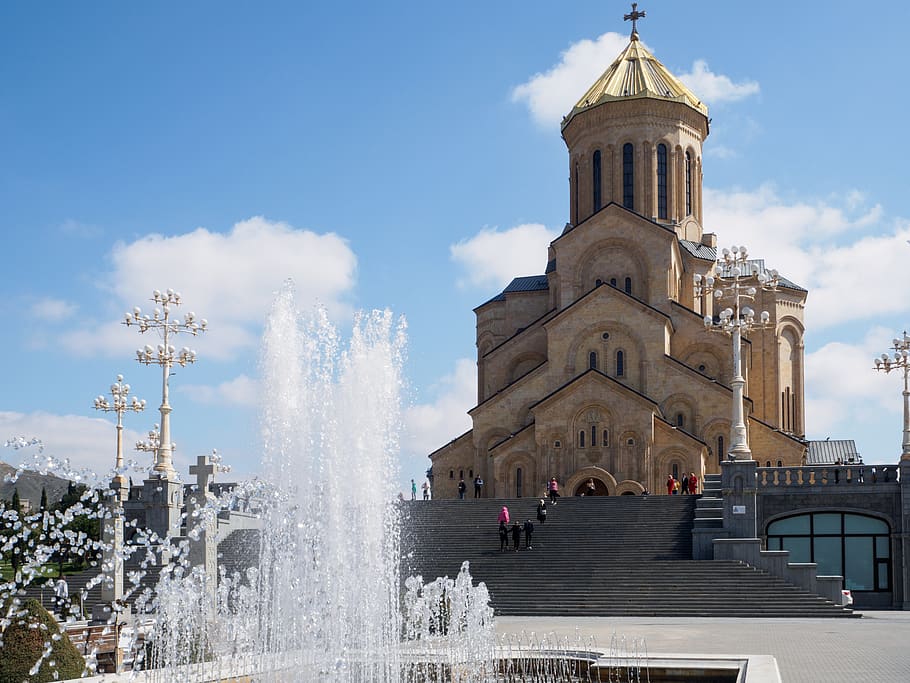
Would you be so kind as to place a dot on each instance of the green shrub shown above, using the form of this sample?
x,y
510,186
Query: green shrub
x,y
23,644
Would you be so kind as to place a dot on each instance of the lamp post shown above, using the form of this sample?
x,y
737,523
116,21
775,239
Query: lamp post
x,y
733,270
899,361
165,355
119,404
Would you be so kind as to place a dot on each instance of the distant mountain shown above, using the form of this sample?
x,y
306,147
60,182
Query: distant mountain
x,y
29,485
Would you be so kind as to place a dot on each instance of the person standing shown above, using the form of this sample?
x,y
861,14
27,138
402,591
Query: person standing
x,y
671,484
462,487
478,485
685,484
529,531
693,483
503,515
503,537
553,490
426,489
590,488
542,511
413,490
516,535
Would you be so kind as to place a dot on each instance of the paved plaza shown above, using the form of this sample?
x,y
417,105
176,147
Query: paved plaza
x,y
874,649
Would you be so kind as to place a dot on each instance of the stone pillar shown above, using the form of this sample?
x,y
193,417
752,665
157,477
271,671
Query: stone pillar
x,y
902,562
163,500
202,525
112,555
740,488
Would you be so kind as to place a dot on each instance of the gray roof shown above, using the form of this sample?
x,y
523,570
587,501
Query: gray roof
x,y
529,283
757,265
698,250
829,451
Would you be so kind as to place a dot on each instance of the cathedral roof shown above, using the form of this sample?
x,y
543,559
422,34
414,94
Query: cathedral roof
x,y
829,451
698,250
528,283
636,73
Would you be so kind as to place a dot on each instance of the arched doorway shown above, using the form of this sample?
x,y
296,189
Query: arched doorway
x,y
600,489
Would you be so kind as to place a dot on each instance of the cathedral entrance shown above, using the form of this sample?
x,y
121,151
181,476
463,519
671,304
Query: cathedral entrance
x,y
600,489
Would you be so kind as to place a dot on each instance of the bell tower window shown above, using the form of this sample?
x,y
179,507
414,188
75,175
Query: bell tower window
x,y
620,364
628,191
597,183
688,183
662,181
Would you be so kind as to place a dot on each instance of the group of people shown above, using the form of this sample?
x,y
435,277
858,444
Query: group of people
x,y
509,527
687,485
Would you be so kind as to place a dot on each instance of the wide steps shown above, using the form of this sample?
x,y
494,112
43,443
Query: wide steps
x,y
621,556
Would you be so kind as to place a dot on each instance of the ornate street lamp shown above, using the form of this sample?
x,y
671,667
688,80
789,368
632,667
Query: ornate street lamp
x,y
733,270
119,404
152,442
899,361
165,355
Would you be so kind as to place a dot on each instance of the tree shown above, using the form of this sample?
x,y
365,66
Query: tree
x,y
17,503
23,643
43,498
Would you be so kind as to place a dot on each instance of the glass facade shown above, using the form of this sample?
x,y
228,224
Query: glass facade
x,y
857,547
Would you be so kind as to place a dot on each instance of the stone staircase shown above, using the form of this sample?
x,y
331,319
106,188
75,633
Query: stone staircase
x,y
599,556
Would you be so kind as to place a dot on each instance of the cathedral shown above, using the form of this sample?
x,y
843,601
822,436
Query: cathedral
x,y
602,367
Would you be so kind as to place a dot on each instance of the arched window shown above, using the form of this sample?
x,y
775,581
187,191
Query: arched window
x,y
592,360
628,284
688,183
518,483
451,474
680,420
661,181
581,438
606,438
593,436
720,449
780,463
857,547
767,463
675,471
596,178
598,282
628,191
470,474
461,474
612,281
620,364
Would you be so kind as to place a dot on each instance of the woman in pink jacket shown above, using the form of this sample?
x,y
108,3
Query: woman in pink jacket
x,y
504,515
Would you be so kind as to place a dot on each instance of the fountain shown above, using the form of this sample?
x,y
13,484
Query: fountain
x,y
325,600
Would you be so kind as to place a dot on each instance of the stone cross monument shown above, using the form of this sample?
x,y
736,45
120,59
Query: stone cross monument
x,y
202,523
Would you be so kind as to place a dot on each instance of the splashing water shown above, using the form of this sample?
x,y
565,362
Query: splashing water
x,y
323,598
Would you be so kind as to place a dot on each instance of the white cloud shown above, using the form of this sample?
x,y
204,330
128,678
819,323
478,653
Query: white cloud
x,y
240,391
714,88
89,443
228,278
429,426
827,248
52,310
491,258
839,369
551,95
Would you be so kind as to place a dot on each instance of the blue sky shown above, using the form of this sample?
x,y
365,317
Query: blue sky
x,y
379,154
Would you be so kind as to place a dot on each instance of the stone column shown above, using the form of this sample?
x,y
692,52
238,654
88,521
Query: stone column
x,y
740,488
202,525
903,561
163,500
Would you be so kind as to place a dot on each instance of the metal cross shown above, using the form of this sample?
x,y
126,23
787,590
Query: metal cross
x,y
634,16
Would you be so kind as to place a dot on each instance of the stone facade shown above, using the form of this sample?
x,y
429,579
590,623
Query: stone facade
x,y
601,367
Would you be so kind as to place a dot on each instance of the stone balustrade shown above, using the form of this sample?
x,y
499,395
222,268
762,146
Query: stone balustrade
x,y
831,475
